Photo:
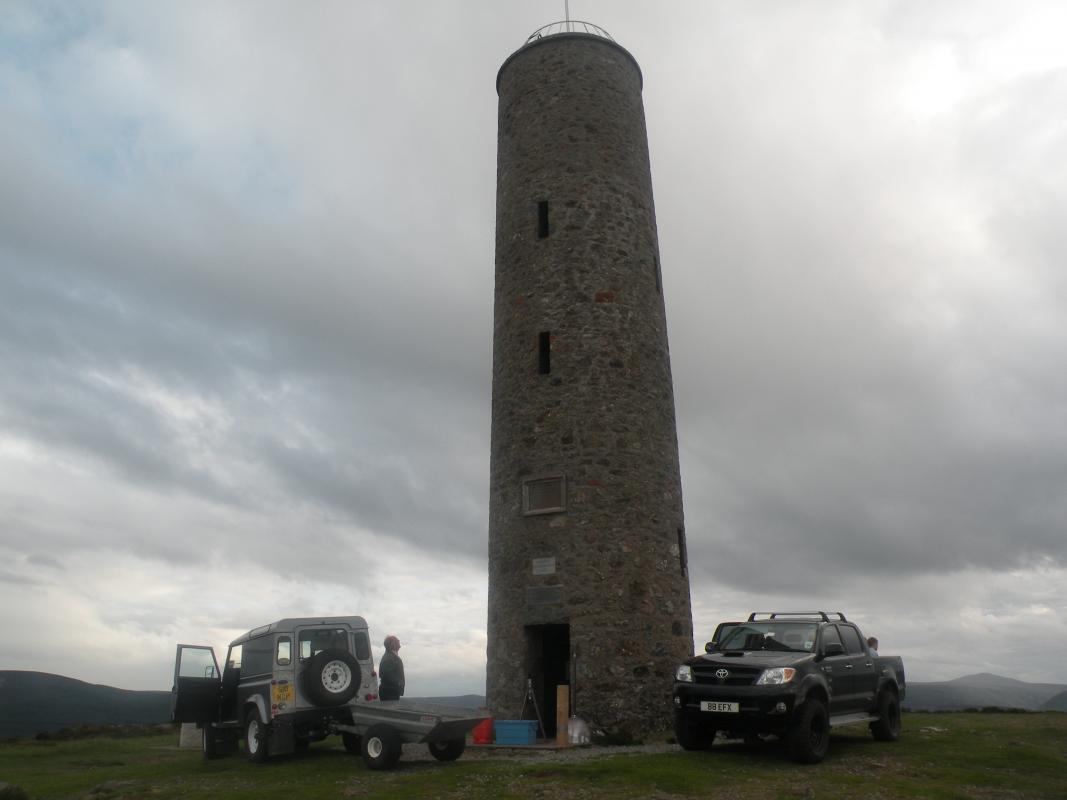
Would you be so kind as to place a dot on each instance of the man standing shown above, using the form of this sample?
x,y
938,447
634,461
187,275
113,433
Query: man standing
x,y
391,671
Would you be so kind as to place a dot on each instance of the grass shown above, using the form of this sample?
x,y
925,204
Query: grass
x,y
961,755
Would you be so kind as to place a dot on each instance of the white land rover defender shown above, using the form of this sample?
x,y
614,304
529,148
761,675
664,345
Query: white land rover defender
x,y
297,681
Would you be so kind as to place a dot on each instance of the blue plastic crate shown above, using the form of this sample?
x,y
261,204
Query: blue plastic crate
x,y
514,731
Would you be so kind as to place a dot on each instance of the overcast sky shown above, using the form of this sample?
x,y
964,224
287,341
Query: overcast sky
x,y
246,283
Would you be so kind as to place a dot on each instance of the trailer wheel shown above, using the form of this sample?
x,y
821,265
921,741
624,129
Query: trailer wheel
x,y
353,743
256,734
381,747
448,750
331,678
887,727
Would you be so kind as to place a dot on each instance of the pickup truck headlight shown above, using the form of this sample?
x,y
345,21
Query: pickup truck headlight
x,y
776,676
684,674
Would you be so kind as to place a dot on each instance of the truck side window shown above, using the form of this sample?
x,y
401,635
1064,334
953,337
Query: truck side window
x,y
258,656
830,636
362,646
197,662
852,640
284,650
233,660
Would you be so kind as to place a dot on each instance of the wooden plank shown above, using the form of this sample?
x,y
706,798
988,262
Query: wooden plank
x,y
563,709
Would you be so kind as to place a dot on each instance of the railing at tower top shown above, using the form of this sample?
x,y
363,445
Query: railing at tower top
x,y
569,26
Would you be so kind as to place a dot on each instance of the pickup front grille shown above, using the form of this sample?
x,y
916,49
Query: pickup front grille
x,y
738,676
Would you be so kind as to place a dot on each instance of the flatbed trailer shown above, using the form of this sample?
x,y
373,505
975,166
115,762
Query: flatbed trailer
x,y
382,727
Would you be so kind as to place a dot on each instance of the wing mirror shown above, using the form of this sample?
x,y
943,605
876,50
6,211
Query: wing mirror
x,y
709,647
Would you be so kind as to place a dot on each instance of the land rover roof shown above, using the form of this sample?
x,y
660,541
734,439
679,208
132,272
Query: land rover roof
x,y
291,623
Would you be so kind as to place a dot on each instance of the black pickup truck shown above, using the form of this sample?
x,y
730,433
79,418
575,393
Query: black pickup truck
x,y
793,675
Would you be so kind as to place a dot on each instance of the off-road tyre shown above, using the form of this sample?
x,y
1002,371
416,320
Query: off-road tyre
x,y
353,743
228,743
449,750
210,744
808,737
691,737
257,738
331,678
381,747
887,727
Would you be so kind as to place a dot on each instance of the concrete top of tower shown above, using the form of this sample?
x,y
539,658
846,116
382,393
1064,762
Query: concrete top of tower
x,y
568,29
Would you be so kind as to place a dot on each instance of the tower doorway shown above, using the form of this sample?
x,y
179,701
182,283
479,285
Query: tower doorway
x,y
548,653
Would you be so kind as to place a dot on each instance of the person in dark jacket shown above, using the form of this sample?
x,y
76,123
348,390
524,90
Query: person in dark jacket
x,y
391,671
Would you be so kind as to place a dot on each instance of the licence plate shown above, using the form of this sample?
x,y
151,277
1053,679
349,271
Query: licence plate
x,y
281,693
721,708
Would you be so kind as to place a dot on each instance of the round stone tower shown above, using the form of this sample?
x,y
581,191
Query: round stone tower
x,y
588,582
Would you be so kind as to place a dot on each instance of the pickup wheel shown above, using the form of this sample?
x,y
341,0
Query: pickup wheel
x,y
381,747
256,734
353,743
808,736
331,678
887,727
691,737
448,751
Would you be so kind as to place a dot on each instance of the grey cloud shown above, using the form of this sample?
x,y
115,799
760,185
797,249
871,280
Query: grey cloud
x,y
19,580
284,225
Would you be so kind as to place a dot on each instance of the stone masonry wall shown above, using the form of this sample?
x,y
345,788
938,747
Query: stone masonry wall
x,y
572,133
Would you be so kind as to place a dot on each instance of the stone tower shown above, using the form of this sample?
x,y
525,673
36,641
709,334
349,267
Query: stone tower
x,y
588,581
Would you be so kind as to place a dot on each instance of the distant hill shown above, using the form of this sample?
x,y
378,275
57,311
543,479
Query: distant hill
x,y
36,702
1056,703
460,701
981,691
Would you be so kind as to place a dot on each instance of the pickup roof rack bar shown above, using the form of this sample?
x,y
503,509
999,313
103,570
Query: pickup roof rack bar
x,y
775,614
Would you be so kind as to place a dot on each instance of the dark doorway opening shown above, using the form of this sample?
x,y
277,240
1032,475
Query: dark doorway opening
x,y
548,654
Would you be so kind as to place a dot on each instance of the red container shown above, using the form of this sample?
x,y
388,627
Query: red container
x,y
483,732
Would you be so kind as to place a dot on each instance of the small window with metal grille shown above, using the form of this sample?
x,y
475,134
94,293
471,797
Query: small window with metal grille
x,y
544,495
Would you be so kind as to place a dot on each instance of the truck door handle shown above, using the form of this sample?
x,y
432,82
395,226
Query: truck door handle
x,y
869,664
848,666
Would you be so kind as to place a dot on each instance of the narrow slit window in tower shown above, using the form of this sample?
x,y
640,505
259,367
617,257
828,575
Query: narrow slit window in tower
x,y
683,557
542,219
655,274
544,351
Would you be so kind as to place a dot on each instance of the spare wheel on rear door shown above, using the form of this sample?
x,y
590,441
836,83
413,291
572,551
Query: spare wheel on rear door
x,y
331,677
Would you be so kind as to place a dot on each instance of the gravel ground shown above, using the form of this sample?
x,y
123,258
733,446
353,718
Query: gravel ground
x,y
419,752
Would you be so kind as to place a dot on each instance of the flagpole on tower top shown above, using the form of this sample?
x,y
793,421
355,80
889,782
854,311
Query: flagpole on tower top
x,y
567,12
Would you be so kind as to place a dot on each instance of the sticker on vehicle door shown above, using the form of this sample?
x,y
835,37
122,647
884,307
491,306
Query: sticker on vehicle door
x,y
720,708
281,693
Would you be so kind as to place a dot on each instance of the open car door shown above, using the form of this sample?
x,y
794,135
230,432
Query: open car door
x,y
197,688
